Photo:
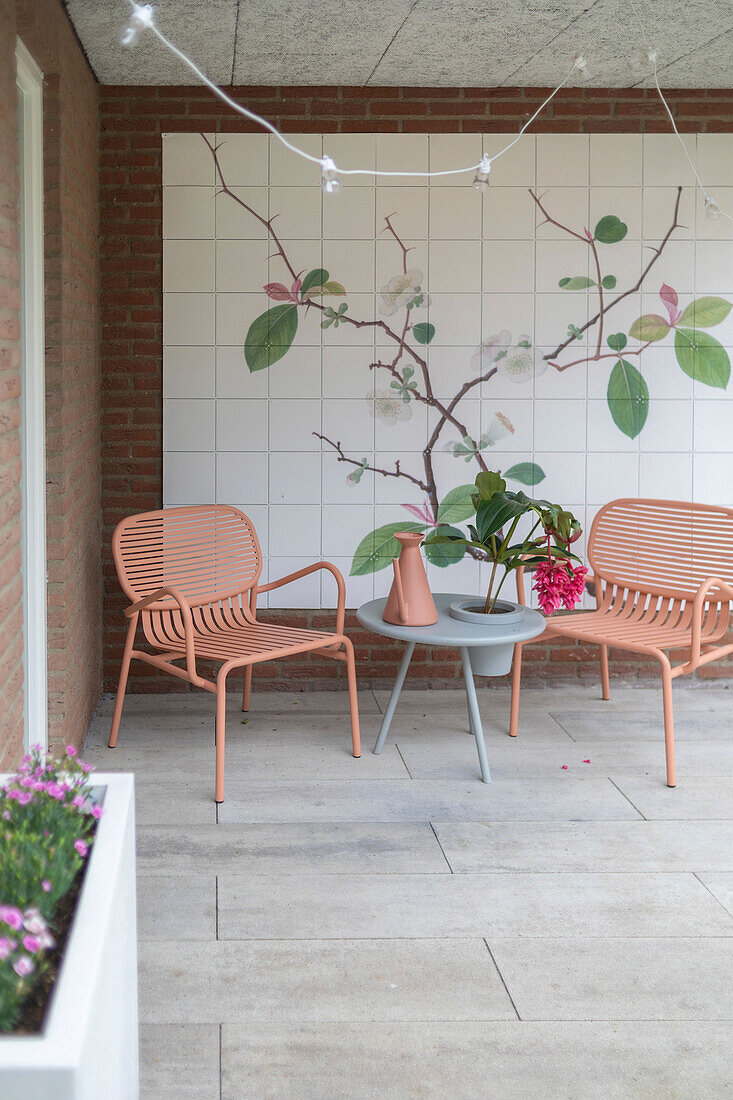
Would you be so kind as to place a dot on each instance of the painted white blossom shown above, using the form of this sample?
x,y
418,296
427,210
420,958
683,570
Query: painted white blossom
x,y
399,291
387,406
518,365
500,426
488,350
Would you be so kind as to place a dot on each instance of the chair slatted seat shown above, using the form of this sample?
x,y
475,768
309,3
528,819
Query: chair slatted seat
x,y
663,576
192,575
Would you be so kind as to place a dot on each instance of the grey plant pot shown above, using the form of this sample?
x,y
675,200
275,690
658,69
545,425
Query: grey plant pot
x,y
508,621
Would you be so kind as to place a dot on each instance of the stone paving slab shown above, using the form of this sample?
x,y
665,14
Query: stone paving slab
x,y
617,979
426,906
699,798
618,846
179,1062
721,887
338,848
603,725
174,907
425,800
512,1060
318,981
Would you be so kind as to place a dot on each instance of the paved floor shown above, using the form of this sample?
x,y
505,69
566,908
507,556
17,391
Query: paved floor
x,y
392,928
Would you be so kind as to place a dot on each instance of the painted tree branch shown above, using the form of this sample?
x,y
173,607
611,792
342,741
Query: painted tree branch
x,y
604,307
397,472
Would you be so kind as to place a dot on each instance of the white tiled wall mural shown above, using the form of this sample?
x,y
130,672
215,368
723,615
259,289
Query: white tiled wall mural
x,y
349,375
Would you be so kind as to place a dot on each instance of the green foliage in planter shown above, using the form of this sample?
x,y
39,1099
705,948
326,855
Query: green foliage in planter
x,y
47,821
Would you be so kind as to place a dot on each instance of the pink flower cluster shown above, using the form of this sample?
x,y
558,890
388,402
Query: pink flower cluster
x,y
32,938
33,779
558,584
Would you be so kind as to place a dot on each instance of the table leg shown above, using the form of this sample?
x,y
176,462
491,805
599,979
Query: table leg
x,y
387,720
474,715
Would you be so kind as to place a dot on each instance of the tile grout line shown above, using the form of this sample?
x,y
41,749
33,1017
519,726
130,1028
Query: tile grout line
x,y
506,987
403,761
696,874
221,1060
641,815
216,905
445,857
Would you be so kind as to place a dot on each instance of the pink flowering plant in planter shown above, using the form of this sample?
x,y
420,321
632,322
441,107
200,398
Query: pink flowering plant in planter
x,y
47,822
545,549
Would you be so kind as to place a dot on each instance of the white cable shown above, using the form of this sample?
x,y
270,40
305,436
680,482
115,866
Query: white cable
x,y
142,18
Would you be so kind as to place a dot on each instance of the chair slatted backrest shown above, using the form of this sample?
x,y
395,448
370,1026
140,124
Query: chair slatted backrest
x,y
207,552
662,547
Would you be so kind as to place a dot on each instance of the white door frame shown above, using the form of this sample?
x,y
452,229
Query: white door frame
x,y
33,399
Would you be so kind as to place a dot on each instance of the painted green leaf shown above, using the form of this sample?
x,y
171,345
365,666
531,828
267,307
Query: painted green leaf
x,y
331,287
443,554
608,282
423,332
617,341
270,336
457,505
628,398
376,550
578,282
610,230
702,357
526,473
649,327
317,277
705,312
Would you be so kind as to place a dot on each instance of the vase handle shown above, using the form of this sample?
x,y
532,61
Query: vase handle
x,y
400,593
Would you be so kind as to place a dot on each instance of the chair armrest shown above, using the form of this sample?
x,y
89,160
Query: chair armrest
x,y
341,605
149,602
698,606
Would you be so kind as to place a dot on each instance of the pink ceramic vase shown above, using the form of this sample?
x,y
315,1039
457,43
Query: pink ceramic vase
x,y
410,601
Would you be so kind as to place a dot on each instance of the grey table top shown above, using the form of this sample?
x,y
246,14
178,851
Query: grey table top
x,y
447,631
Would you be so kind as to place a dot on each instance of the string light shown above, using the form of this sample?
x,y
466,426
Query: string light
x,y
581,65
481,179
330,182
142,18
712,210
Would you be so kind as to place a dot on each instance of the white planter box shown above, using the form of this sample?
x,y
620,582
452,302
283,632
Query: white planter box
x,y
88,1049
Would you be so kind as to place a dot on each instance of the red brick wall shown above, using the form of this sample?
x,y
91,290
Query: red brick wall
x,y
71,151
133,119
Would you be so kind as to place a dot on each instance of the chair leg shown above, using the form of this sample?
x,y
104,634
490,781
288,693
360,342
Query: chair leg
x,y
605,682
122,685
353,701
516,681
221,711
668,724
247,687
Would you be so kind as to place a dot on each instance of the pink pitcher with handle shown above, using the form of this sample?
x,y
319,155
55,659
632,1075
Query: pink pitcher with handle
x,y
410,601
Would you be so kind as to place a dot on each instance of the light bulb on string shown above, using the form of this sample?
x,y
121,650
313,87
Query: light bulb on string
x,y
642,59
140,20
330,182
581,65
481,179
712,210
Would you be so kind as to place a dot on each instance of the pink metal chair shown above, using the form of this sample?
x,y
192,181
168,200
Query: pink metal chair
x,y
191,574
663,573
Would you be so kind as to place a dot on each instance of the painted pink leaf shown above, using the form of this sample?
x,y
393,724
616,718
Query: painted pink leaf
x,y
296,288
423,514
670,299
588,234
278,292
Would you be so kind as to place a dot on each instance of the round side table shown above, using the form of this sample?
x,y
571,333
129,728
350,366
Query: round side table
x,y
446,632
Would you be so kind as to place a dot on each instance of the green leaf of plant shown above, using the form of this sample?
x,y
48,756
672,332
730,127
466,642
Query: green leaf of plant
x,y
488,482
526,473
610,230
446,553
456,506
270,336
649,327
376,550
628,398
702,357
423,332
617,341
577,282
317,277
705,312
608,282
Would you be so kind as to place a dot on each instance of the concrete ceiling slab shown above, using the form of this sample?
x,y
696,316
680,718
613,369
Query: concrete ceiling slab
x,y
412,42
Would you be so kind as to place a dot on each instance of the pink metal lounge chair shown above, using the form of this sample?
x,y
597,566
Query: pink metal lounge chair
x,y
663,573
191,574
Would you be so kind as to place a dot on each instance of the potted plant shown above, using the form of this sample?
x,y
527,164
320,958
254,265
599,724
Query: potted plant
x,y
545,550
68,945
